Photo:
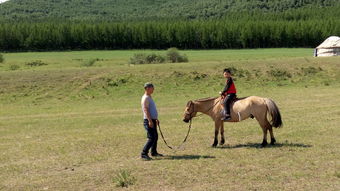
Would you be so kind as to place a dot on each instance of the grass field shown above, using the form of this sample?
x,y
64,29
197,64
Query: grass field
x,y
65,126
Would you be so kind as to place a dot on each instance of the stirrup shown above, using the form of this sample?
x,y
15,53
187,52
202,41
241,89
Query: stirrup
x,y
226,118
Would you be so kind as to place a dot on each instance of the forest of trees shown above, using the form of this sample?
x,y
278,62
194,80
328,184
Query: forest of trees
x,y
136,10
300,27
161,35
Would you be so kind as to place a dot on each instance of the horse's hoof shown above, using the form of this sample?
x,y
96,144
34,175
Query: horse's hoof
x,y
273,141
214,145
264,143
222,142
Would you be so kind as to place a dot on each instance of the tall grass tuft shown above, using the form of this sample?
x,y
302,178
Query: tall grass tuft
x,y
279,74
36,63
124,179
89,63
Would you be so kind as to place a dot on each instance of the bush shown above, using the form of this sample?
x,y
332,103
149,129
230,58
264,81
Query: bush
x,y
2,59
154,58
124,179
89,63
143,58
138,59
36,63
174,56
14,67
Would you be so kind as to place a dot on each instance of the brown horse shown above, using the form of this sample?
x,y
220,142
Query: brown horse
x,y
241,109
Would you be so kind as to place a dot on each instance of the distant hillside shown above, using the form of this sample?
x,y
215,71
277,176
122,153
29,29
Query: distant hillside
x,y
146,9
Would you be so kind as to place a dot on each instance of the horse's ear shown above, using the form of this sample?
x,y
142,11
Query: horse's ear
x,y
189,103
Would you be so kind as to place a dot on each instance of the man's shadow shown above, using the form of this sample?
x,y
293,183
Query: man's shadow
x,y
185,157
258,145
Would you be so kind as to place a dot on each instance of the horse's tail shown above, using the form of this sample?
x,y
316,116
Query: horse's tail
x,y
274,111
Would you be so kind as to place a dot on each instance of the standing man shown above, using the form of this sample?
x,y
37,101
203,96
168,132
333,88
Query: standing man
x,y
150,122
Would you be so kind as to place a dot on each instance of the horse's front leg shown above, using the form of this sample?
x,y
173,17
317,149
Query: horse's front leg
x,y
222,133
217,127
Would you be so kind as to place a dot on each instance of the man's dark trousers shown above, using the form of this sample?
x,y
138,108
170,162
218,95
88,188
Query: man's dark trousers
x,y
152,136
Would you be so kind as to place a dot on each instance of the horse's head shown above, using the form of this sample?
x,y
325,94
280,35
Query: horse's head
x,y
189,112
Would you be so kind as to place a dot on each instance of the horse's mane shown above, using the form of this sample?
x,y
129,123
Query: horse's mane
x,y
206,99
241,98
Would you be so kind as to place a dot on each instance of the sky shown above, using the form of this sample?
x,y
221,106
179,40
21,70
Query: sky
x,y
1,1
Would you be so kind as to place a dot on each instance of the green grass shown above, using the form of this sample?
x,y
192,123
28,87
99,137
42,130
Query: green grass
x,y
68,127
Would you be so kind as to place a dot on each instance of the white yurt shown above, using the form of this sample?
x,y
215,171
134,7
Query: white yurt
x,y
329,47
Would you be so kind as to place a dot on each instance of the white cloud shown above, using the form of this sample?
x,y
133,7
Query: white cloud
x,y
1,1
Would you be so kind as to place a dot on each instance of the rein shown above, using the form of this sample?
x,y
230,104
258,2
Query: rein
x,y
189,127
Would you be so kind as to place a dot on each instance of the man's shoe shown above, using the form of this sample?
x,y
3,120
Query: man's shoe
x,y
146,157
157,155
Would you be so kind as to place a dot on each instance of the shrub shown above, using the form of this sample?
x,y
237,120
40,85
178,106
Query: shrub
x,y
138,59
14,67
174,56
143,58
124,179
36,63
154,58
2,59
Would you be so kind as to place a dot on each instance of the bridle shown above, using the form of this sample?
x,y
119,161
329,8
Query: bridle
x,y
193,110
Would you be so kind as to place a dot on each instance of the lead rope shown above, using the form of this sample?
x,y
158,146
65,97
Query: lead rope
x,y
185,139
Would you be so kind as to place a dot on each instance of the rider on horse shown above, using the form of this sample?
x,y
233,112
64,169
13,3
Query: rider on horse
x,y
228,93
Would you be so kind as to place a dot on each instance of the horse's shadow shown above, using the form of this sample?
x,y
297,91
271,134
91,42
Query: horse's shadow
x,y
258,145
185,157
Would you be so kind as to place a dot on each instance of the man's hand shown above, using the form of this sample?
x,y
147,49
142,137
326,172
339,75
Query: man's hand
x,y
157,122
150,123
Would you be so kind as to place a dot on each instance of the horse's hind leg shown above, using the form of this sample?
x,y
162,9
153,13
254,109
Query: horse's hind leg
x,y
272,138
264,142
265,125
217,127
222,134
